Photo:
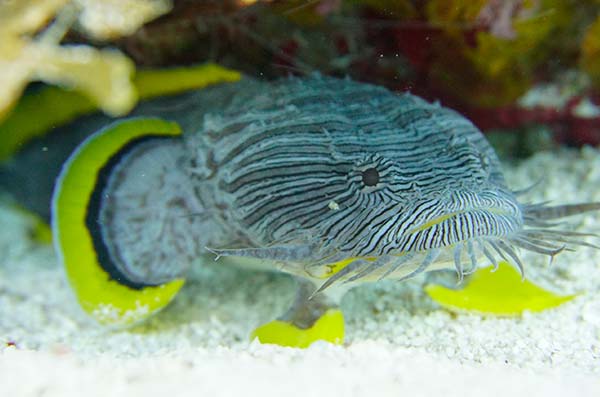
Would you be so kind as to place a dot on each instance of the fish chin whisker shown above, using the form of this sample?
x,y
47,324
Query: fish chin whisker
x,y
550,242
543,241
430,257
550,245
354,266
483,248
471,247
542,215
516,260
395,265
529,188
534,222
559,236
529,207
472,257
538,246
376,264
457,262
554,232
543,212
495,247
531,246
492,248
505,250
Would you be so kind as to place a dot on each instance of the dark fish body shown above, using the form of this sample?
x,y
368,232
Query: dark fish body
x,y
327,179
278,172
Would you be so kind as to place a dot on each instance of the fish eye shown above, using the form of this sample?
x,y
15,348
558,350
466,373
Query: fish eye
x,y
370,176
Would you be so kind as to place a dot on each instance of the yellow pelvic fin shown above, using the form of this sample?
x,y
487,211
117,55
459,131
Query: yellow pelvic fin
x,y
105,299
330,328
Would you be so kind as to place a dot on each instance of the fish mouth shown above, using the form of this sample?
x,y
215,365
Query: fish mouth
x,y
503,234
463,217
475,231
503,214
496,233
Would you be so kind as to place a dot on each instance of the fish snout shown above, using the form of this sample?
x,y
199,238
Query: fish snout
x,y
464,216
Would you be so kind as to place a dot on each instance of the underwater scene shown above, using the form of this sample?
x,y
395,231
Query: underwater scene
x,y
299,197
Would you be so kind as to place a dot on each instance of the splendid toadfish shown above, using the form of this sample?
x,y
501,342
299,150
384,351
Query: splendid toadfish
x,y
333,181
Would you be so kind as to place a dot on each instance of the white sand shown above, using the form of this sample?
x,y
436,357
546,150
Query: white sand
x,y
398,340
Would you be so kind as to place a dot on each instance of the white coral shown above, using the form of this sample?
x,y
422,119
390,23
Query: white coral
x,y
103,75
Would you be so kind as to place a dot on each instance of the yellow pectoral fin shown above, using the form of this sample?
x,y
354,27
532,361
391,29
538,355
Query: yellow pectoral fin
x,y
501,293
104,298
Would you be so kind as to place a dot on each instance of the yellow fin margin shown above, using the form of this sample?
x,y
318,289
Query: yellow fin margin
x,y
54,106
104,299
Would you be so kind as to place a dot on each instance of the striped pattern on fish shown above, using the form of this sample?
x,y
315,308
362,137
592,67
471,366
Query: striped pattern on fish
x,y
308,173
